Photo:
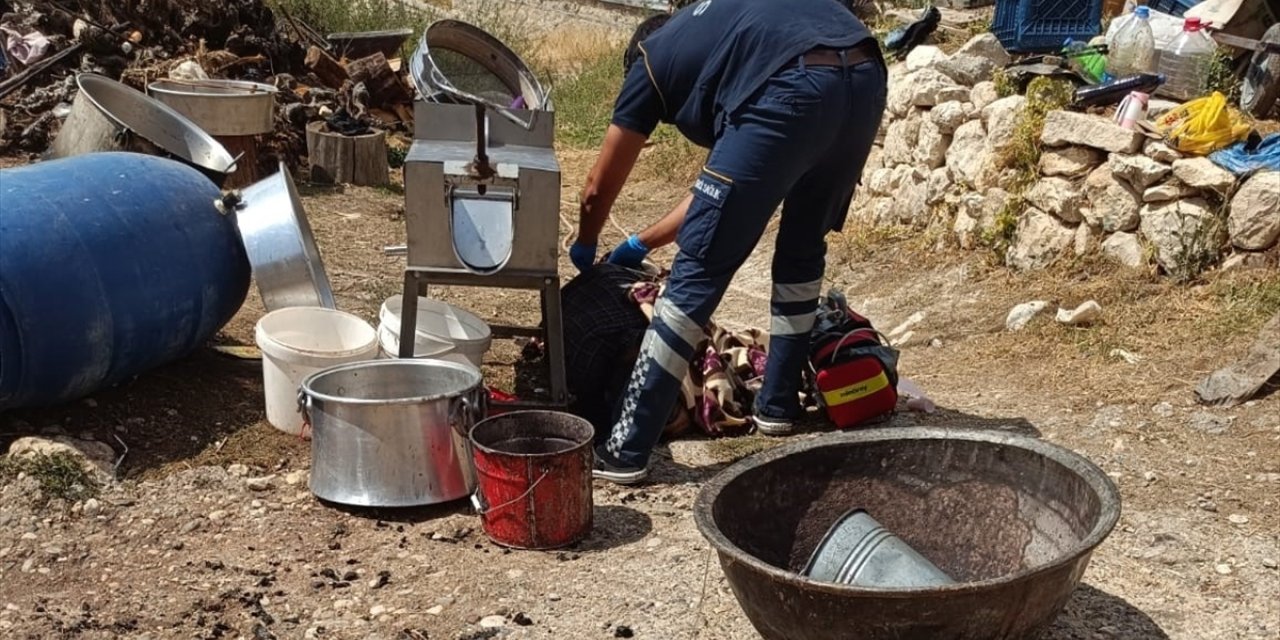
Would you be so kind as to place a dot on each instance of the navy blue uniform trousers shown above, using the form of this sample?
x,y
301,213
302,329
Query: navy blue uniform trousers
x,y
802,141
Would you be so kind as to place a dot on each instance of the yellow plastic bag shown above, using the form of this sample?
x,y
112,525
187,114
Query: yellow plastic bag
x,y
1203,125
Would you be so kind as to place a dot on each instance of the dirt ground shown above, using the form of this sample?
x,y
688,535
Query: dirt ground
x,y
212,533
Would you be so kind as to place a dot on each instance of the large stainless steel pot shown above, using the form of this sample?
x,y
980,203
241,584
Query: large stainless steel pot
x,y
392,433
221,107
109,116
277,237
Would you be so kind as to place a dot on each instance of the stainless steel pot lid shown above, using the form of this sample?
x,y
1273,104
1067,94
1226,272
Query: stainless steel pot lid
x,y
156,122
277,237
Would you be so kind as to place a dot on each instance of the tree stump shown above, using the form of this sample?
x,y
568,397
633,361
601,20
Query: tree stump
x,y
338,159
245,149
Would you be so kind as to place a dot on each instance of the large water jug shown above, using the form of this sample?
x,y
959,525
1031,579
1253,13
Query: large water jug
x,y
1187,61
1134,48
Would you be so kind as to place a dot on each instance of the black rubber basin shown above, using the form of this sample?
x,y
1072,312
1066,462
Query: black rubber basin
x,y
1012,519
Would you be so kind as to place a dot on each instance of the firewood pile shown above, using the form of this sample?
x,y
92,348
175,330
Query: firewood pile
x,y
140,41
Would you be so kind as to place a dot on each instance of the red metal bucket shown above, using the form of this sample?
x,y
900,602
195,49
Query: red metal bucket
x,y
533,478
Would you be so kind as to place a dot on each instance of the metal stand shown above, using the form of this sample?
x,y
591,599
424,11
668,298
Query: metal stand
x,y
416,280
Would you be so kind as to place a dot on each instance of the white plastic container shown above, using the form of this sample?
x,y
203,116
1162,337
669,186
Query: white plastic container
x,y
1186,62
444,332
299,341
1133,50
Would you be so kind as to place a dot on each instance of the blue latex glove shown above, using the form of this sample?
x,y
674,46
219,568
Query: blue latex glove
x,y
582,256
629,254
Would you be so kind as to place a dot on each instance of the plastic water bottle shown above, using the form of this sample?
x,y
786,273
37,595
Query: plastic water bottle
x,y
1187,61
1134,50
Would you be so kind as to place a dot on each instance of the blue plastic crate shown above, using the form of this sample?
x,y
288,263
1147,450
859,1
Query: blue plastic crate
x,y
1043,25
1172,7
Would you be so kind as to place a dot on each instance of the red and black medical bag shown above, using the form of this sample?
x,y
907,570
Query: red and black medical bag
x,y
854,370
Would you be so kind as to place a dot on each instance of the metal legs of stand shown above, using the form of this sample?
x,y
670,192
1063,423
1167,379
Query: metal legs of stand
x,y
553,333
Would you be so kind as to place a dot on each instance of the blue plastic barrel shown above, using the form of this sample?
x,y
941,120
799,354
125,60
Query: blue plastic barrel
x,y
110,264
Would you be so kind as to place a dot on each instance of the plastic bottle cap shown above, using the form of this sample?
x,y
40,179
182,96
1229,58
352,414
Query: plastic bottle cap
x,y
1191,24
1143,11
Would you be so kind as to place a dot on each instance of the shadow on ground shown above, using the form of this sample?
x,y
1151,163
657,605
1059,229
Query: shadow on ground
x,y
1093,613
204,409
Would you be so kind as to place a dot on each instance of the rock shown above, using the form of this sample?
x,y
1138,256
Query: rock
x,y
1123,248
931,145
983,94
988,47
900,141
1163,409
377,610
1084,314
965,69
910,200
1157,107
1058,197
1113,205
929,87
1244,260
435,610
259,484
881,182
493,622
1237,518
1161,152
949,115
970,158
1254,223
1202,173
91,507
1223,569
294,478
923,57
1139,171
1209,423
1171,189
898,100
975,215
1270,563
216,515
1063,128
1070,162
97,458
939,184
237,470
1083,243
1021,315
1186,235
906,325
1001,119
623,631
1038,241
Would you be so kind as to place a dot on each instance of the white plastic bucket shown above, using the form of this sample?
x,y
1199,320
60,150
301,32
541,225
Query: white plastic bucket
x,y
299,341
443,332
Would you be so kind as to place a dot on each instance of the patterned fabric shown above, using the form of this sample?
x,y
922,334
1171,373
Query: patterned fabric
x,y
717,392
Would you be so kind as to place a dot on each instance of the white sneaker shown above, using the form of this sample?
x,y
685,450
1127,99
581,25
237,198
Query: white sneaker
x,y
774,426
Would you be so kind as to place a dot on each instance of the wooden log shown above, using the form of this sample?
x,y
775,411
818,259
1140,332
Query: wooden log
x,y
338,159
385,86
246,149
370,168
328,70
329,155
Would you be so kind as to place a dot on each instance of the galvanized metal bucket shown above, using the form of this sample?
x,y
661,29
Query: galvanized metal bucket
x,y
856,550
392,433
220,107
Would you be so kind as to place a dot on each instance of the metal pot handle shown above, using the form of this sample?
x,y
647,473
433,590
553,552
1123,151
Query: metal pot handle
x,y
304,407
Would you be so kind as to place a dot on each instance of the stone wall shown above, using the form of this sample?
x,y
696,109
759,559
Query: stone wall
x,y
942,160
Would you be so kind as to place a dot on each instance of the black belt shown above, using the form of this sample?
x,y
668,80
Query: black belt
x,y
832,57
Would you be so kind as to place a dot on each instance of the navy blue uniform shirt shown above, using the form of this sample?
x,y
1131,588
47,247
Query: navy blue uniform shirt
x,y
713,55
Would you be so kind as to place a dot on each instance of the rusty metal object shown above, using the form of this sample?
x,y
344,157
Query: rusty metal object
x,y
1012,519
